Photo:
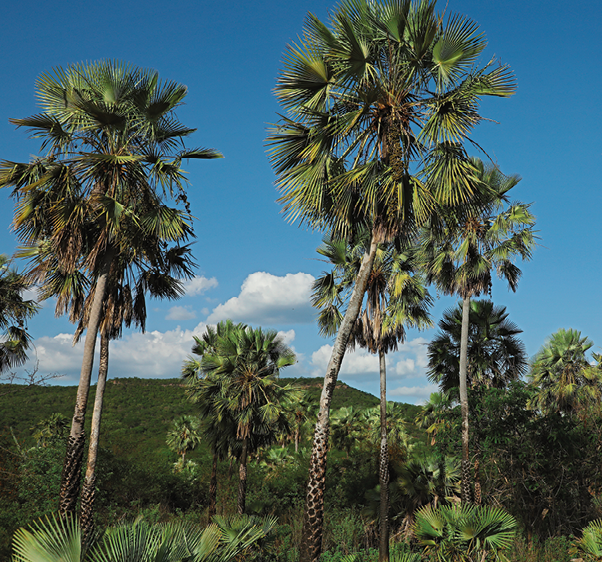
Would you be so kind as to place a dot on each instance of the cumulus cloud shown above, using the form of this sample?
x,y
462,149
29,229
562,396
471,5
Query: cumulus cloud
x,y
180,313
150,355
287,337
198,285
358,362
269,299
414,393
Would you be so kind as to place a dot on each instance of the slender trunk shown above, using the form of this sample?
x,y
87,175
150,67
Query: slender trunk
x,y
466,489
383,473
297,436
242,474
213,487
72,467
89,487
313,517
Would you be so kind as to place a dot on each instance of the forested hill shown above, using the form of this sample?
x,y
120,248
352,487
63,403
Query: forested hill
x,y
137,412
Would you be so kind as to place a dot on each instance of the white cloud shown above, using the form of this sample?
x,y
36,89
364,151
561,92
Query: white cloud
x,y
269,299
180,313
405,367
149,355
358,362
414,392
287,337
199,285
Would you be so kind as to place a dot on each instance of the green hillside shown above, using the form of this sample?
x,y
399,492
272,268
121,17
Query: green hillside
x,y
137,412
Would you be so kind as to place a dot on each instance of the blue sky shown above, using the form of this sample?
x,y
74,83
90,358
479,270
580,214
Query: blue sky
x,y
255,267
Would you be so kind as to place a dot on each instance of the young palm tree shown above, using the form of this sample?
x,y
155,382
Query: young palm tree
x,y
14,313
396,297
378,105
112,159
461,247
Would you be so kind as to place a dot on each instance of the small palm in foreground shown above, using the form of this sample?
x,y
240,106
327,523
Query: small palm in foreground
x,y
60,539
465,533
589,546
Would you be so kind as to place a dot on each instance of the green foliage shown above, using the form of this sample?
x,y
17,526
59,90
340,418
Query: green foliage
x,y
224,540
464,533
589,546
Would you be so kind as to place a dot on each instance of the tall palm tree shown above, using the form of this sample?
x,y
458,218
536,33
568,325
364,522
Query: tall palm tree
x,y
14,313
378,104
114,150
396,297
461,246
565,379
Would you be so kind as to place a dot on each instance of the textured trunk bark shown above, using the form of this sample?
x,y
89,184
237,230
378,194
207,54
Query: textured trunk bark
x,y
466,489
71,476
313,517
383,473
89,487
213,487
242,480
297,436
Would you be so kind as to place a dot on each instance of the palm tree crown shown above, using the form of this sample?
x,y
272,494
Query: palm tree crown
x,y
495,355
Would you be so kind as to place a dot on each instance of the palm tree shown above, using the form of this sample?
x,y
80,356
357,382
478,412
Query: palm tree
x,y
236,386
461,246
217,427
395,297
564,378
377,107
14,313
112,160
184,435
495,355
246,365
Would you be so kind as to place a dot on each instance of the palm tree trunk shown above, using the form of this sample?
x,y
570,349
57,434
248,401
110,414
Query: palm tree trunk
x,y
383,473
72,467
313,517
466,489
213,487
242,480
89,487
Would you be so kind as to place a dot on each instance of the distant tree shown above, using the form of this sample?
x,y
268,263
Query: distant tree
x,y
54,428
239,372
562,375
184,435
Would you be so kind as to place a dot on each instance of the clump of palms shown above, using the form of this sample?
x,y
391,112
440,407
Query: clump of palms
x,y
589,546
98,196
378,104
